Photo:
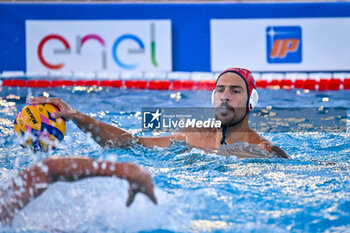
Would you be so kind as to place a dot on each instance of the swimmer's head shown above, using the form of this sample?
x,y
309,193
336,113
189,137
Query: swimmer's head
x,y
234,95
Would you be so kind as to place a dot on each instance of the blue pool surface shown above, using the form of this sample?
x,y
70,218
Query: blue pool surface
x,y
197,192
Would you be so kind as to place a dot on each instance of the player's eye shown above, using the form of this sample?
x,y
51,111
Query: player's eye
x,y
220,89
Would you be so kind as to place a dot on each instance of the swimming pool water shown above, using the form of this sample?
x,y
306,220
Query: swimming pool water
x,y
197,192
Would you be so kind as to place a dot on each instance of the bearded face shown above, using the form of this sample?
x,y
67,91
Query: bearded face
x,y
230,99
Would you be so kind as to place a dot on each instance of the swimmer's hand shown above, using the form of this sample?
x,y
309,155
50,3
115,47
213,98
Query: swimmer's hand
x,y
140,181
65,111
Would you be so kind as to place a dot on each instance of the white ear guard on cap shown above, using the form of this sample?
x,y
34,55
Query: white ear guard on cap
x,y
253,100
212,97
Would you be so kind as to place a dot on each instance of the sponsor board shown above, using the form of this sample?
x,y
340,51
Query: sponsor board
x,y
295,44
98,45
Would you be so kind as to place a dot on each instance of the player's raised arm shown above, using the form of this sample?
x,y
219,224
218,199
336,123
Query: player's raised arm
x,y
104,134
31,182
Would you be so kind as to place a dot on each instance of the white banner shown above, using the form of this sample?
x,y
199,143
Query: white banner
x,y
98,45
296,44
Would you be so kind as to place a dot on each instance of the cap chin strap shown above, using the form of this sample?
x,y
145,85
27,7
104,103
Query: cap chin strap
x,y
224,132
225,128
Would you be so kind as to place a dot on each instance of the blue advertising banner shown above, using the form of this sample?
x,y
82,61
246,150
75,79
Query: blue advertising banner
x,y
190,26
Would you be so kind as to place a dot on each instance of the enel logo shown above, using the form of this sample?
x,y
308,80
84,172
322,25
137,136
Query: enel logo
x,y
138,48
284,44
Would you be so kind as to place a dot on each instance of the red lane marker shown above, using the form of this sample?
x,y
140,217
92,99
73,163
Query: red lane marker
x,y
14,82
310,84
274,83
86,83
182,85
136,84
111,83
299,83
261,83
286,83
323,84
38,83
334,84
62,83
346,84
159,85
205,85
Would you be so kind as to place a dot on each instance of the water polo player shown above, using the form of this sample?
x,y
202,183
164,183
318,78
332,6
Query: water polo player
x,y
234,97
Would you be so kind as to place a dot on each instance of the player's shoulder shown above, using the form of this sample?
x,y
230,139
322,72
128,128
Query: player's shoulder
x,y
274,149
264,143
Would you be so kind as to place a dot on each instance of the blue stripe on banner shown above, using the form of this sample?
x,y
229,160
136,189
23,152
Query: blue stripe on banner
x,y
190,23
52,130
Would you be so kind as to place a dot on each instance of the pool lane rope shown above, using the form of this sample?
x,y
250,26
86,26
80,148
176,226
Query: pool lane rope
x,y
310,84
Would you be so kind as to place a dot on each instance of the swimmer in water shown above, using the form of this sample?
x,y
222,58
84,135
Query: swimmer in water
x,y
30,183
234,97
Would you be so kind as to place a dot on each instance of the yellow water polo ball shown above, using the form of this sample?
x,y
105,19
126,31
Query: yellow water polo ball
x,y
36,128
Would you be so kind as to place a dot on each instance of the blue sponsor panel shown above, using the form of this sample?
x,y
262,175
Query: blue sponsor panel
x,y
190,24
284,44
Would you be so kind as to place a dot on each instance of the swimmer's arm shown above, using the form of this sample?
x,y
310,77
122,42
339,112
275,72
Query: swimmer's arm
x,y
161,141
71,169
110,136
104,134
31,182
187,135
113,137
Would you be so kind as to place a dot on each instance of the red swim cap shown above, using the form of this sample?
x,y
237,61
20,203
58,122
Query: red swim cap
x,y
247,76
